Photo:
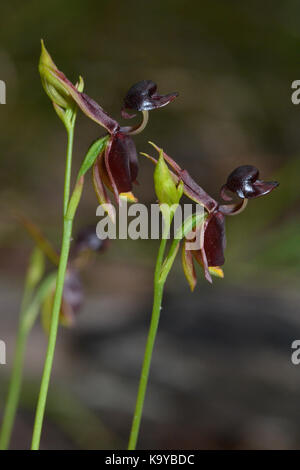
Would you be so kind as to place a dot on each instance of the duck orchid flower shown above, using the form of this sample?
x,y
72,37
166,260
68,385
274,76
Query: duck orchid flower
x,y
116,167
211,234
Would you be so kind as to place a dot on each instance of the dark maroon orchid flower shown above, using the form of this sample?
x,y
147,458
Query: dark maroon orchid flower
x,y
143,96
116,168
245,183
117,165
211,233
210,253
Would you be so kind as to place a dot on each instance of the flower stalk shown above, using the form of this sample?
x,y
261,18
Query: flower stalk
x,y
65,248
157,301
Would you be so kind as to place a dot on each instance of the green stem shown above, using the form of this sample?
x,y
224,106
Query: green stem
x,y
68,167
157,300
65,248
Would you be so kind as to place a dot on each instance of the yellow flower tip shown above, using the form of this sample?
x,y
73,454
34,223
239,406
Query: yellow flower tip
x,y
45,58
216,271
128,197
192,287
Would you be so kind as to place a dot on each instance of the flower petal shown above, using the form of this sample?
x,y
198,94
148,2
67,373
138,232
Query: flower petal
x,y
261,188
216,271
201,258
130,197
196,193
142,96
188,266
214,239
101,191
121,163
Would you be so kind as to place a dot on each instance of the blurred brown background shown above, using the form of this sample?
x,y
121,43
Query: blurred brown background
x,y
221,375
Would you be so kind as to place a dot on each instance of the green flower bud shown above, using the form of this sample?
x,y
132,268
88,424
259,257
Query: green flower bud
x,y
165,187
53,86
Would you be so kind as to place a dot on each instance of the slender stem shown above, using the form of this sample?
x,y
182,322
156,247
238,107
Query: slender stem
x,y
157,300
68,167
65,248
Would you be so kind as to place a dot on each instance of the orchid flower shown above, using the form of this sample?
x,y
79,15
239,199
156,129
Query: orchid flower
x,y
244,182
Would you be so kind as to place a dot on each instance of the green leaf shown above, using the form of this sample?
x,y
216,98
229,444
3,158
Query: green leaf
x,y
75,198
95,149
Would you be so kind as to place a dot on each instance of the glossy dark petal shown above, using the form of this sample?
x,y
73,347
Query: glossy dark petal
x,y
215,239
245,183
260,188
143,97
122,163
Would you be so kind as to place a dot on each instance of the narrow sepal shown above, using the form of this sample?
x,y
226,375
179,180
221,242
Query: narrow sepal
x,y
201,258
188,266
101,191
191,188
62,92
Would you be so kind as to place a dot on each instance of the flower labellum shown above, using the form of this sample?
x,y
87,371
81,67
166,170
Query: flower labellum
x,y
143,96
245,183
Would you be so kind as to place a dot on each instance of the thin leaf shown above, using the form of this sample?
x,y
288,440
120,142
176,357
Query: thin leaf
x,y
95,149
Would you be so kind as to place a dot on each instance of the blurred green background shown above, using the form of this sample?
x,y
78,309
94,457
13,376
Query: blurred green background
x,y
221,375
